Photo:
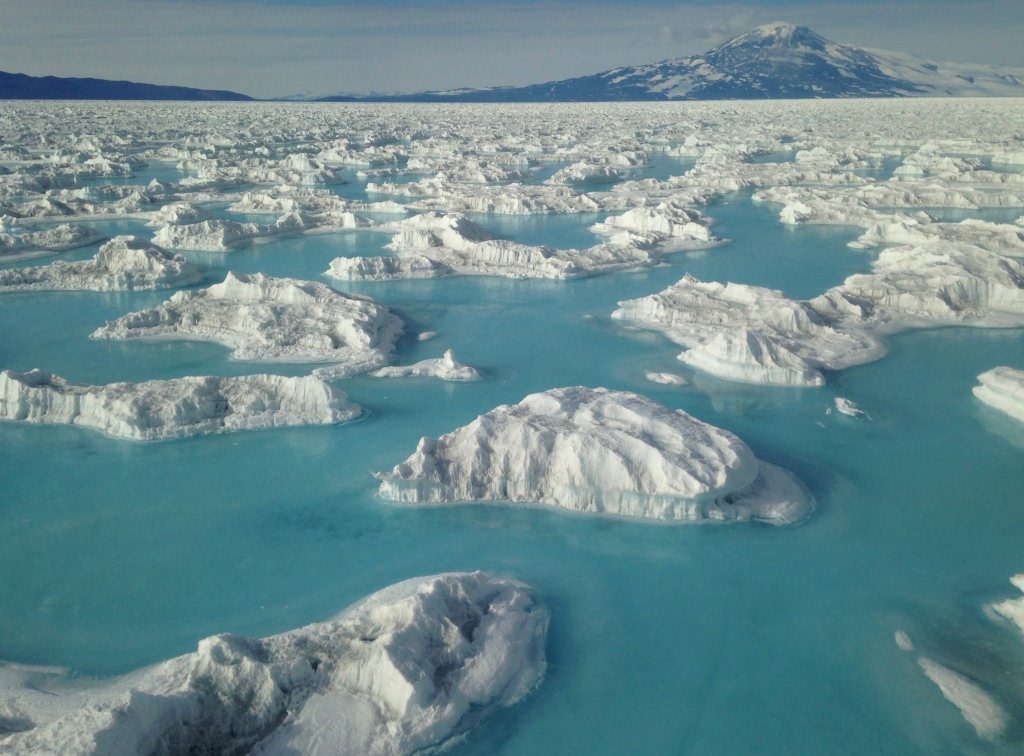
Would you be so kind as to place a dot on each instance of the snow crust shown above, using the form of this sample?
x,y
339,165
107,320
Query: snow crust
x,y
1003,388
446,367
403,670
602,452
267,319
125,263
176,408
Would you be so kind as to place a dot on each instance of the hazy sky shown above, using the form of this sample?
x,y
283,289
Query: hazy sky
x,y
277,47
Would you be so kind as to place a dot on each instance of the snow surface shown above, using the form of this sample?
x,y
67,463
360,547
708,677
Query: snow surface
x,y
405,669
175,408
125,263
603,452
1003,388
267,319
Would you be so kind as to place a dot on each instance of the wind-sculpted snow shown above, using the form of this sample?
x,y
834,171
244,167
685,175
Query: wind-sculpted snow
x,y
405,669
601,452
1003,389
125,263
268,319
446,367
749,333
161,410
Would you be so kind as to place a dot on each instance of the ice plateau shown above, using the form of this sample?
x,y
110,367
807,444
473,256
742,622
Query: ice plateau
x,y
603,452
267,319
165,409
405,669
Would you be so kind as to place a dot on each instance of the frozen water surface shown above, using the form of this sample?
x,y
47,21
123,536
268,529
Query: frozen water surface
x,y
713,638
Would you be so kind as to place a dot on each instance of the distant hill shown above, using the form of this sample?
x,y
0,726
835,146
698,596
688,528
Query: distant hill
x,y
16,86
773,61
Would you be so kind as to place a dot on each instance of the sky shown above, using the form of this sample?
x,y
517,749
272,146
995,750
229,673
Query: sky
x,y
273,48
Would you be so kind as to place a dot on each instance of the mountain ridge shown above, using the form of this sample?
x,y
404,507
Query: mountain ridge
x,y
19,86
772,61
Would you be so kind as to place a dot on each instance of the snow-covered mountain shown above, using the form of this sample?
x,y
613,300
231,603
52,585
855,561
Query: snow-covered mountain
x,y
777,60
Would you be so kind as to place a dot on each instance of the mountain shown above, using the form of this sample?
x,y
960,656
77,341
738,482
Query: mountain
x,y
16,86
777,60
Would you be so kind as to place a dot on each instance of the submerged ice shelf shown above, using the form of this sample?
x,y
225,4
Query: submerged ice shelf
x,y
601,452
175,408
404,669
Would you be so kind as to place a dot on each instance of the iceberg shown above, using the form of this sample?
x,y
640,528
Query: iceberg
x,y
446,367
265,319
1012,609
1003,389
125,263
666,379
176,408
405,669
601,452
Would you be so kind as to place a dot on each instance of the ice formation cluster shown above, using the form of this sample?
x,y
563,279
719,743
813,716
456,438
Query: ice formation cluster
x,y
407,668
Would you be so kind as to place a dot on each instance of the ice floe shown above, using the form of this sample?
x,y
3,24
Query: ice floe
x,y
405,669
602,452
165,409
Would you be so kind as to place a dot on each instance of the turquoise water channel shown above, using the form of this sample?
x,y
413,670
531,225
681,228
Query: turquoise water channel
x,y
664,639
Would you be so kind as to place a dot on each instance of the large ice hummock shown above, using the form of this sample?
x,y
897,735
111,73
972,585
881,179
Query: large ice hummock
x,y
160,410
405,669
598,451
267,319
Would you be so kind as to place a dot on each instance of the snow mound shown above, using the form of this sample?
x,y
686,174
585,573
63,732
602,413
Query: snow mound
x,y
405,669
161,410
598,451
267,319
1003,388
446,367
125,263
